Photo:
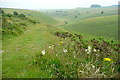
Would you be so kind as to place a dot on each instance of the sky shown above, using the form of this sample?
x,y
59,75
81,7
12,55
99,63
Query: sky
x,y
54,4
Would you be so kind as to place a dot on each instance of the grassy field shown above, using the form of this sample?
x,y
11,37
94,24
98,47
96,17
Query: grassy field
x,y
74,50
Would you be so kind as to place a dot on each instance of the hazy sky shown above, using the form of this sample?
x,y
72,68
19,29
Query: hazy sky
x,y
53,4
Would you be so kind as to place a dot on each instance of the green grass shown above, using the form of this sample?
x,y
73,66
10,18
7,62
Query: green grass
x,y
22,50
22,54
106,26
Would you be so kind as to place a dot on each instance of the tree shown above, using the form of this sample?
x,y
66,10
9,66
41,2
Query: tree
x,y
2,11
15,13
66,22
22,15
102,12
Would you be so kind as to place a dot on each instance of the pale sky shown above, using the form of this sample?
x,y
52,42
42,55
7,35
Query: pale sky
x,y
54,4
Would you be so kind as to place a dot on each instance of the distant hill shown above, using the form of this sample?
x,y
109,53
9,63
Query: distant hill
x,y
95,6
98,6
112,6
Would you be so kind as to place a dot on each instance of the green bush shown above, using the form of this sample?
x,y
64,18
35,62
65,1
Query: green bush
x,y
15,13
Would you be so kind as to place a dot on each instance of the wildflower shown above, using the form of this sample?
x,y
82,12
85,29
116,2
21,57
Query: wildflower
x,y
88,50
51,47
64,50
107,59
94,50
92,66
61,42
43,52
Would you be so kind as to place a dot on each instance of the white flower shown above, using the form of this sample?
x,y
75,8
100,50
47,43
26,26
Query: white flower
x,y
51,47
64,50
94,50
43,52
88,50
92,66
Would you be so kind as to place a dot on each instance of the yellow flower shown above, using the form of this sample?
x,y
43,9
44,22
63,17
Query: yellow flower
x,y
61,42
107,59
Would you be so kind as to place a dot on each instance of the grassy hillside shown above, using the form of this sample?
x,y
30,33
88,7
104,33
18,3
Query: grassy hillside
x,y
75,15
15,24
35,15
106,26
46,51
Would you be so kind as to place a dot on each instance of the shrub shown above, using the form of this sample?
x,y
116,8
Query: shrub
x,y
22,16
102,12
15,13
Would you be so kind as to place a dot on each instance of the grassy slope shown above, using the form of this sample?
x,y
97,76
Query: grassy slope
x,y
100,26
106,26
21,49
35,15
69,14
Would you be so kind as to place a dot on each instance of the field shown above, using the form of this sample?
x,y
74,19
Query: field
x,y
60,45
